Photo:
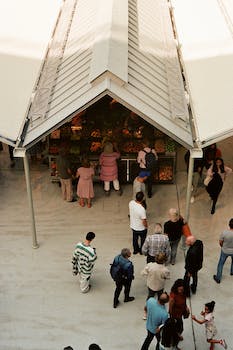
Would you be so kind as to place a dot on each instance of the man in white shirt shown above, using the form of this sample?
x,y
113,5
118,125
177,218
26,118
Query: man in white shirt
x,y
138,222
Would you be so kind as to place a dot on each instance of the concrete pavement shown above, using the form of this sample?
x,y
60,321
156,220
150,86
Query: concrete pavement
x,y
41,305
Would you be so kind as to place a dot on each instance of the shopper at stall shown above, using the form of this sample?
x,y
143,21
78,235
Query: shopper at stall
x,y
83,261
139,185
173,228
85,190
109,169
216,174
210,153
65,173
138,222
146,159
197,179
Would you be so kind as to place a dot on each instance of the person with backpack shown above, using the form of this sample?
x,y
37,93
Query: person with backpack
x,y
122,272
147,160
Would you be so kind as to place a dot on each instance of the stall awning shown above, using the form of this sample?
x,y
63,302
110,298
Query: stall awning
x,y
25,30
205,34
121,48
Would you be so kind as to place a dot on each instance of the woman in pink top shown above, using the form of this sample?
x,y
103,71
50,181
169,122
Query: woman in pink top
x,y
109,170
85,188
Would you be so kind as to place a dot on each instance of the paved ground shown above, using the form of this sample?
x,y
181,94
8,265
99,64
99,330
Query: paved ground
x,y
40,304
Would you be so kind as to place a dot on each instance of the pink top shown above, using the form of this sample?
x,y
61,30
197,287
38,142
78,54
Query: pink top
x,y
109,171
141,156
85,184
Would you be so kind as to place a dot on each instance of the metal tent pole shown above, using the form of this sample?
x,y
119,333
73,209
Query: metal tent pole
x,y
30,201
189,187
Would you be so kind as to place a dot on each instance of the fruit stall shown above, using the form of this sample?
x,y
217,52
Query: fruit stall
x,y
107,120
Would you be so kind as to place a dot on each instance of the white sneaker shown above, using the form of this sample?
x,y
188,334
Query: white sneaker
x,y
192,200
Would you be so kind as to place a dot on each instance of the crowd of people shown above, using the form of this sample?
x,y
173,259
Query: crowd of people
x,y
160,248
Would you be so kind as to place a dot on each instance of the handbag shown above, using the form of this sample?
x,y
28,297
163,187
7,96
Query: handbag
x,y
186,230
207,180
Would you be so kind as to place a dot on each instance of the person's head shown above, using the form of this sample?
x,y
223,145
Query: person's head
x,y
90,236
126,253
213,146
190,240
209,307
85,163
178,286
143,175
231,224
108,147
68,348
94,347
173,214
158,228
139,196
163,298
146,143
160,258
218,164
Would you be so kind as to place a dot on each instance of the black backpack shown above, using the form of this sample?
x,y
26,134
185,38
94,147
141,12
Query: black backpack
x,y
150,160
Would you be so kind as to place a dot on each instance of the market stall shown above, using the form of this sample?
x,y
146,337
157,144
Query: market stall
x,y
108,120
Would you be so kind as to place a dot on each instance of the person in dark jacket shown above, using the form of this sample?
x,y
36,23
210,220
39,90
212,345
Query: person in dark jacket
x,y
125,276
193,263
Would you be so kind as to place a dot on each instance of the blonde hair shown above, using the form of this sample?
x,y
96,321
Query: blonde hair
x,y
174,214
108,147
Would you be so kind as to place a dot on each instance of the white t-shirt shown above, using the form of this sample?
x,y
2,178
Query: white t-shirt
x,y
137,213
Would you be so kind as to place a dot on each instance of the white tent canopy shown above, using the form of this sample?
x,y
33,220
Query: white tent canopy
x,y
205,35
25,30
125,49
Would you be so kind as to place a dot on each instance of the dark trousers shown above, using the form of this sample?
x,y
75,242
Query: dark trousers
x,y
136,236
149,183
150,258
187,282
119,285
148,340
151,293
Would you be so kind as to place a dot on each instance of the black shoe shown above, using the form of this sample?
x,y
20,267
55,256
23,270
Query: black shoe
x,y
216,279
149,195
119,192
115,304
107,193
73,200
193,289
212,211
128,299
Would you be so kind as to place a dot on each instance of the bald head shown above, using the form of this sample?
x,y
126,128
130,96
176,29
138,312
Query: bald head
x,y
190,240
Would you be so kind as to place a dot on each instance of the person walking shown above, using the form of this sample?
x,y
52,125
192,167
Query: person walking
x,y
173,228
146,159
211,330
109,169
217,174
193,263
85,188
65,173
177,305
124,277
83,261
156,274
155,244
138,222
139,184
226,244
169,335
197,179
156,317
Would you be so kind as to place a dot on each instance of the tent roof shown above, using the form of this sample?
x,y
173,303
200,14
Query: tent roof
x,y
205,34
24,38
125,49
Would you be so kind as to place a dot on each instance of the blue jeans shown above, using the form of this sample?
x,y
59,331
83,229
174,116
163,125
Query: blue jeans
x,y
221,262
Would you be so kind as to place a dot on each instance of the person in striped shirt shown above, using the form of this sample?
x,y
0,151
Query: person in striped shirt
x,y
83,261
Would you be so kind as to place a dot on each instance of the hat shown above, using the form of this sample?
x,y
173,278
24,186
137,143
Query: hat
x,y
144,173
